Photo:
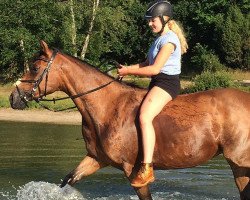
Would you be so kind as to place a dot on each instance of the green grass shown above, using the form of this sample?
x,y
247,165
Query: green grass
x,y
57,106
240,75
4,95
4,102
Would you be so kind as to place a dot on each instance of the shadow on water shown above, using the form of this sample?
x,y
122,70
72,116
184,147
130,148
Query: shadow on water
x,y
34,157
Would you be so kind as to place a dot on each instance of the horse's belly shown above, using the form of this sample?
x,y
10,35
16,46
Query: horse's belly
x,y
185,148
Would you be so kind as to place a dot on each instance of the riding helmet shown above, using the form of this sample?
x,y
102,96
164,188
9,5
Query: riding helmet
x,y
159,8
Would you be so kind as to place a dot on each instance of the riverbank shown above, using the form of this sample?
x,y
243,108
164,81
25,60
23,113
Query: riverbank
x,y
42,116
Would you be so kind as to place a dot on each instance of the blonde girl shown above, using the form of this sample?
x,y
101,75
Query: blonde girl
x,y
163,65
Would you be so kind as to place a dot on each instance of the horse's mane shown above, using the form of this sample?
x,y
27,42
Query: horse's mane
x,y
83,62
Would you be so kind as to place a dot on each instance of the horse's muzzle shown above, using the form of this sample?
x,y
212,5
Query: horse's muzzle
x,y
16,101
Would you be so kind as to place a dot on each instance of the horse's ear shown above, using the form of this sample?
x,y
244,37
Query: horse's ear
x,y
45,48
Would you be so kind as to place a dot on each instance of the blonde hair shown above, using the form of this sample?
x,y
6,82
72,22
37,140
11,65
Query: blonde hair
x,y
176,28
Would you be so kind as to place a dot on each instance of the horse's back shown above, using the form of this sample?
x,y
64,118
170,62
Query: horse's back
x,y
198,126
227,101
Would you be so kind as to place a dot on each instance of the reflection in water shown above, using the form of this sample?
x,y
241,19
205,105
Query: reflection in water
x,y
34,157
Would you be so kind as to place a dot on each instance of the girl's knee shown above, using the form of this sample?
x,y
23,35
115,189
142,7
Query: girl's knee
x,y
145,118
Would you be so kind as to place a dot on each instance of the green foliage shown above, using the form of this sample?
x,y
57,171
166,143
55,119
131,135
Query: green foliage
x,y
205,60
109,28
118,33
207,22
4,102
23,24
208,80
218,32
234,38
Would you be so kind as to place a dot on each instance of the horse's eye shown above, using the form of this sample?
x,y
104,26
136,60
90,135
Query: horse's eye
x,y
34,68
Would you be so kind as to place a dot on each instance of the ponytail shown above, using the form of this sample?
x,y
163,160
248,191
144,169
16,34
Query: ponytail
x,y
173,26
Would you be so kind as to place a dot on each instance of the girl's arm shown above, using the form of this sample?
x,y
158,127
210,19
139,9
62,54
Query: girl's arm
x,y
149,70
135,66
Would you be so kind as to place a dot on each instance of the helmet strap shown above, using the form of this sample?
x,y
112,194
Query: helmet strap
x,y
163,23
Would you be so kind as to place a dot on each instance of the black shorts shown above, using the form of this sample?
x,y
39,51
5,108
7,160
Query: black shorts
x,y
169,83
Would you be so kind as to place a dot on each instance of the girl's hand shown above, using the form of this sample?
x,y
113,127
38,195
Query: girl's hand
x,y
122,70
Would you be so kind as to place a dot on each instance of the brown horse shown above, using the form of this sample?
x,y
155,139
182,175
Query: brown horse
x,y
189,131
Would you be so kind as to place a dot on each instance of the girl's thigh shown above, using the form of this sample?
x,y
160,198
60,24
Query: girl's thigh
x,y
154,102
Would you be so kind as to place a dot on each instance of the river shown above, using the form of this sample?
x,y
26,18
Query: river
x,y
36,156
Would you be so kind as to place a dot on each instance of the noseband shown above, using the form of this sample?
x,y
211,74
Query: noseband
x,y
37,82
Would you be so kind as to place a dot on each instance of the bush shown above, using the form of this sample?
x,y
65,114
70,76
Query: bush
x,y
208,80
233,38
205,60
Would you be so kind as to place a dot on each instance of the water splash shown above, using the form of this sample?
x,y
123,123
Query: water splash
x,y
50,191
43,191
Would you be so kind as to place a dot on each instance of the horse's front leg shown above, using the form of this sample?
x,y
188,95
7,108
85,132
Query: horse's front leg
x,y
143,193
86,167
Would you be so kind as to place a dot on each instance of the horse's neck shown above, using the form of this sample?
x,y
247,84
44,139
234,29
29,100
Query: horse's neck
x,y
97,105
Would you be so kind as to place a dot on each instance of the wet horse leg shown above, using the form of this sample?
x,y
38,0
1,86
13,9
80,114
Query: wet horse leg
x,y
143,192
242,179
86,167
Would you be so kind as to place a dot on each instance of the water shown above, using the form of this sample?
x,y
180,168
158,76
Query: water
x,y
34,157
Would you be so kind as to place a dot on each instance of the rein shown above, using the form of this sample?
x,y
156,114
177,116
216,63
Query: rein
x,y
72,97
37,82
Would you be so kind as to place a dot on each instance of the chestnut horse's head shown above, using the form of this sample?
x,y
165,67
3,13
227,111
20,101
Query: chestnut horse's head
x,y
41,79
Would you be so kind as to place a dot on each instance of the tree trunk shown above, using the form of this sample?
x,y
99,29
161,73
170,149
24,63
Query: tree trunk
x,y
86,43
25,61
21,44
73,28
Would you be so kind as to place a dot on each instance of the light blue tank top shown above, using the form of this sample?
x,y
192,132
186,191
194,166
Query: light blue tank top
x,y
173,64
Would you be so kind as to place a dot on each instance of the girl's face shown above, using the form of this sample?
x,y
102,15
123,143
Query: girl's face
x,y
155,24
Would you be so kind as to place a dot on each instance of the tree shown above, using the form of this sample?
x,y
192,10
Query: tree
x,y
208,22
119,33
22,26
233,36
116,30
86,43
73,27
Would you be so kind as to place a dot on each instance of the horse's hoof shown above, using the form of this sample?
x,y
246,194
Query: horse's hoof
x,y
66,180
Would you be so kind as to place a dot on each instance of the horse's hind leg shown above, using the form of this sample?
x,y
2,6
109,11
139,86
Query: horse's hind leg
x,y
86,167
242,179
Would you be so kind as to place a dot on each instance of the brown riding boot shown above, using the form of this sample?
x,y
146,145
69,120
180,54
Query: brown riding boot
x,y
144,176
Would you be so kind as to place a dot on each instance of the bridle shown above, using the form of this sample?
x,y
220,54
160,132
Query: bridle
x,y
37,82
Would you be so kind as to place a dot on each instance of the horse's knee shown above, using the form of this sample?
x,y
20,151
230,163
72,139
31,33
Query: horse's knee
x,y
86,167
128,169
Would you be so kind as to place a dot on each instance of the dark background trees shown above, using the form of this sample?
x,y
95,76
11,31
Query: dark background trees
x,y
217,31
